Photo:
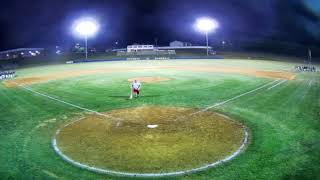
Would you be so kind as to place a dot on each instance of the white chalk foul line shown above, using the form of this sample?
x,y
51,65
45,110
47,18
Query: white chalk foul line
x,y
111,172
278,84
236,97
67,103
310,82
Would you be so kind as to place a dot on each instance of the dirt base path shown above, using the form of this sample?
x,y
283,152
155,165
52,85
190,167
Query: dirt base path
x,y
149,79
69,74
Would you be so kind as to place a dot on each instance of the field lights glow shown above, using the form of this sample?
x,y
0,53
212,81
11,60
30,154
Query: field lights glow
x,y
86,27
206,25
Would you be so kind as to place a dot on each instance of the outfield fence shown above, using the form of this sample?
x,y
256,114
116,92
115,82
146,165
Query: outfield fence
x,y
147,58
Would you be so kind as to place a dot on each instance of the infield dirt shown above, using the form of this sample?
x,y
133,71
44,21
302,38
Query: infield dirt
x,y
179,141
69,74
149,79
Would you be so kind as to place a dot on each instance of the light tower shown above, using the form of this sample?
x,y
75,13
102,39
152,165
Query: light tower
x,y
206,25
85,28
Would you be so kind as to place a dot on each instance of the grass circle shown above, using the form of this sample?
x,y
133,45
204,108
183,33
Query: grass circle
x,y
151,141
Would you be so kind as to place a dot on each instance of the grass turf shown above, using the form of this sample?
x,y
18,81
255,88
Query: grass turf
x,y
284,121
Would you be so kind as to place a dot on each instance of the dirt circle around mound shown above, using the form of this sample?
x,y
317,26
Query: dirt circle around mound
x,y
149,79
150,141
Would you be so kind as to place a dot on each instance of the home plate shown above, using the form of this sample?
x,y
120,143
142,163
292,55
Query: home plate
x,y
152,126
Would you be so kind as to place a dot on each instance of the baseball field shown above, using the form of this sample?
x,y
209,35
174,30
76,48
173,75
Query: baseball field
x,y
209,119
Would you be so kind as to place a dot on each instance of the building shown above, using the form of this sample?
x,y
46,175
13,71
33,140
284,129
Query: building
x,y
143,50
136,48
179,44
151,50
184,48
176,44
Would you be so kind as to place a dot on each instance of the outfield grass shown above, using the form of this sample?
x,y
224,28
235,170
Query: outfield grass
x,y
284,121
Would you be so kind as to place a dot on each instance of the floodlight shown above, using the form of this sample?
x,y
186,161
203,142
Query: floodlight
x,y
206,25
86,27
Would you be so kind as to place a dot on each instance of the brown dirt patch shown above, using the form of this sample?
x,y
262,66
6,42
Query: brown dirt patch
x,y
276,75
179,142
69,74
243,71
149,79
26,81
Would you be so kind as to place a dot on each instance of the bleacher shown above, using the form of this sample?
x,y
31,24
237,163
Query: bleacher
x,y
7,75
147,53
305,68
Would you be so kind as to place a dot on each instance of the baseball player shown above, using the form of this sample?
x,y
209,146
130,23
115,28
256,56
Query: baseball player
x,y
136,88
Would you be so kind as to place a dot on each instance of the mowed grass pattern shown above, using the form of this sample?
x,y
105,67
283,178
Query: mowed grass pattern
x,y
284,121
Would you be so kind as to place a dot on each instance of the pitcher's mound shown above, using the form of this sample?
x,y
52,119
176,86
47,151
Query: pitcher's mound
x,y
151,139
149,79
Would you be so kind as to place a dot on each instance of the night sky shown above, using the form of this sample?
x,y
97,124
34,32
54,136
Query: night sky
x,y
46,23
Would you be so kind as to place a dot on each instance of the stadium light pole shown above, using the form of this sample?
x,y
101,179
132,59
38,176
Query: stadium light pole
x,y
207,39
206,25
86,27
86,44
